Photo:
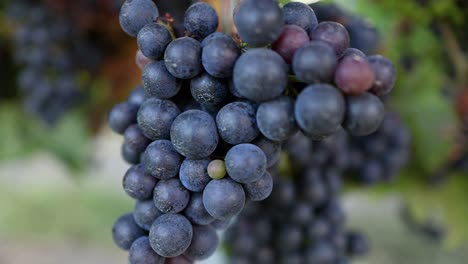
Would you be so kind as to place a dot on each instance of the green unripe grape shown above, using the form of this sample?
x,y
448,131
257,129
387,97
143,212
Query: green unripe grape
x,y
217,169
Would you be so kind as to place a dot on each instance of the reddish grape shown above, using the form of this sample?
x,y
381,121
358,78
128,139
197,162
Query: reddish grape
x,y
141,60
354,75
291,39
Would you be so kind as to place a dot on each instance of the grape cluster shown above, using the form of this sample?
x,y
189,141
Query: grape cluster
x,y
205,130
380,156
52,52
302,221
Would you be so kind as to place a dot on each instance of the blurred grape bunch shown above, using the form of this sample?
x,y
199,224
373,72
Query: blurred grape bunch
x,y
61,48
429,39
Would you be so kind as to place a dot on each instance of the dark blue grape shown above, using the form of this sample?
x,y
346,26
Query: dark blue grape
x,y
364,35
300,14
145,213
137,96
320,253
219,55
200,20
158,82
170,235
194,174
272,150
313,187
138,184
332,33
170,196
135,14
130,154
155,118
315,62
208,91
276,120
364,114
259,22
301,213
260,189
236,123
356,244
161,160
245,163
320,110
194,134
204,243
352,52
260,75
183,58
122,116
134,138
289,238
153,39
223,199
385,75
318,229
142,253
196,212
125,231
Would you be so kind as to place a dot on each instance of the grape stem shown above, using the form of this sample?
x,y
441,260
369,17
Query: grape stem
x,y
456,55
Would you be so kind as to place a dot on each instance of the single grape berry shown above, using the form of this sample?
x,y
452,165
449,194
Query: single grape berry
x,y
354,75
183,58
138,184
170,196
364,114
245,163
194,134
385,75
204,243
135,139
333,34
223,199
291,39
196,212
208,91
320,110
315,62
200,20
161,160
276,120
236,123
272,150
194,174
219,55
155,118
153,39
130,154
171,235
122,116
144,213
135,14
158,82
137,96
217,169
141,253
260,189
260,75
259,22
300,14
126,231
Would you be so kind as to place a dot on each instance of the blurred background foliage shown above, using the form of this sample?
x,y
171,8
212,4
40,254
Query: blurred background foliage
x,y
426,39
